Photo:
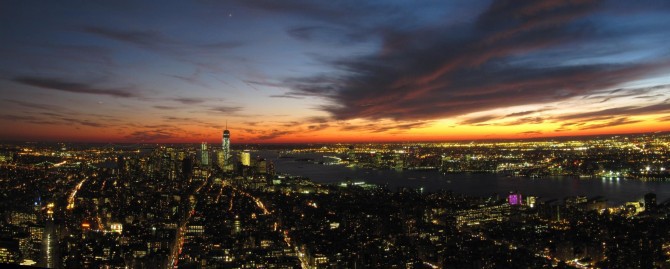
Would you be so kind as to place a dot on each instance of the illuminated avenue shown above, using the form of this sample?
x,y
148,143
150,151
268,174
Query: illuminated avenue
x,y
335,134
185,206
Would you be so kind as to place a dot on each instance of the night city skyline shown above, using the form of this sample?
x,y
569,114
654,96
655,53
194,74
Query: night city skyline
x,y
304,71
286,134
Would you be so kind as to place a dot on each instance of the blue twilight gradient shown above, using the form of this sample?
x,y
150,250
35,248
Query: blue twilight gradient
x,y
119,66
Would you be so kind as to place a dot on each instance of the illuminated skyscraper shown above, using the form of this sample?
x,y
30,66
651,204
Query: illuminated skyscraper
x,y
245,158
514,199
226,146
204,154
221,159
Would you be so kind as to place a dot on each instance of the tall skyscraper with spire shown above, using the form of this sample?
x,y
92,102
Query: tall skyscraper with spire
x,y
226,146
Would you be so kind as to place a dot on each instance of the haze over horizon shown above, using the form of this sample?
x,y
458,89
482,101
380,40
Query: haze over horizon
x,y
306,71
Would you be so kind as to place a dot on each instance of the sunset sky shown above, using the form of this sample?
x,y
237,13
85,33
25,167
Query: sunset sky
x,y
331,71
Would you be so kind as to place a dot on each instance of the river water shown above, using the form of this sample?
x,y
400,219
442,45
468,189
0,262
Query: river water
x,y
616,191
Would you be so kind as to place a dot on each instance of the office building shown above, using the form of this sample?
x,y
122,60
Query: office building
x,y
204,154
245,158
225,147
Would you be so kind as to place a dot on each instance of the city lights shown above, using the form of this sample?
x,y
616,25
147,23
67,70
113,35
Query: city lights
x,y
284,134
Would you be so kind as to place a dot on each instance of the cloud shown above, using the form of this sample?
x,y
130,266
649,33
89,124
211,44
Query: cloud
x,y
286,96
28,119
226,109
274,134
166,107
525,120
172,118
290,124
264,83
479,119
649,96
289,94
251,123
188,100
325,34
316,124
207,55
354,14
403,127
503,58
36,105
195,78
141,38
157,126
181,119
72,87
318,127
619,111
637,93
157,41
83,122
52,114
150,135
86,54
615,122
524,113
54,119
317,119
384,126
311,9
156,132
190,121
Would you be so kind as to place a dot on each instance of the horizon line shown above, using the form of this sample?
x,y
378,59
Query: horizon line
x,y
537,138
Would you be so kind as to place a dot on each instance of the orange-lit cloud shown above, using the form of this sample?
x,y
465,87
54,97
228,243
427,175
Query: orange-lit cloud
x,y
340,71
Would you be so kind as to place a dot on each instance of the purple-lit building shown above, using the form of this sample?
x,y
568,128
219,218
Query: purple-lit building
x,y
515,199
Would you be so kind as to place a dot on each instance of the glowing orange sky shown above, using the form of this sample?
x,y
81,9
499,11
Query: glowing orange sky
x,y
446,130
275,73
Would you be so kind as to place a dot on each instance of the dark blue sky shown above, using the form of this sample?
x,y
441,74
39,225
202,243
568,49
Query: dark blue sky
x,y
319,70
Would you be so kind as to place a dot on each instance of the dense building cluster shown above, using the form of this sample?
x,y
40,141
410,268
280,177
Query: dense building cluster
x,y
93,206
643,157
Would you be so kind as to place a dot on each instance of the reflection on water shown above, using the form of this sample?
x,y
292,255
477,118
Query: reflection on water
x,y
617,191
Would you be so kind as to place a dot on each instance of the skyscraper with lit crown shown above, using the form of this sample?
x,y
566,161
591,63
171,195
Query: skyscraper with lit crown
x,y
245,158
226,146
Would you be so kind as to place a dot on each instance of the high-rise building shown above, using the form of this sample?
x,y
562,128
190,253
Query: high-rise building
x,y
530,201
237,225
226,147
221,159
245,158
204,154
514,199
261,166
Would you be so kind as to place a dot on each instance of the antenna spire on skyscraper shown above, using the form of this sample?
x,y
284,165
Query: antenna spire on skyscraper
x,y
225,146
